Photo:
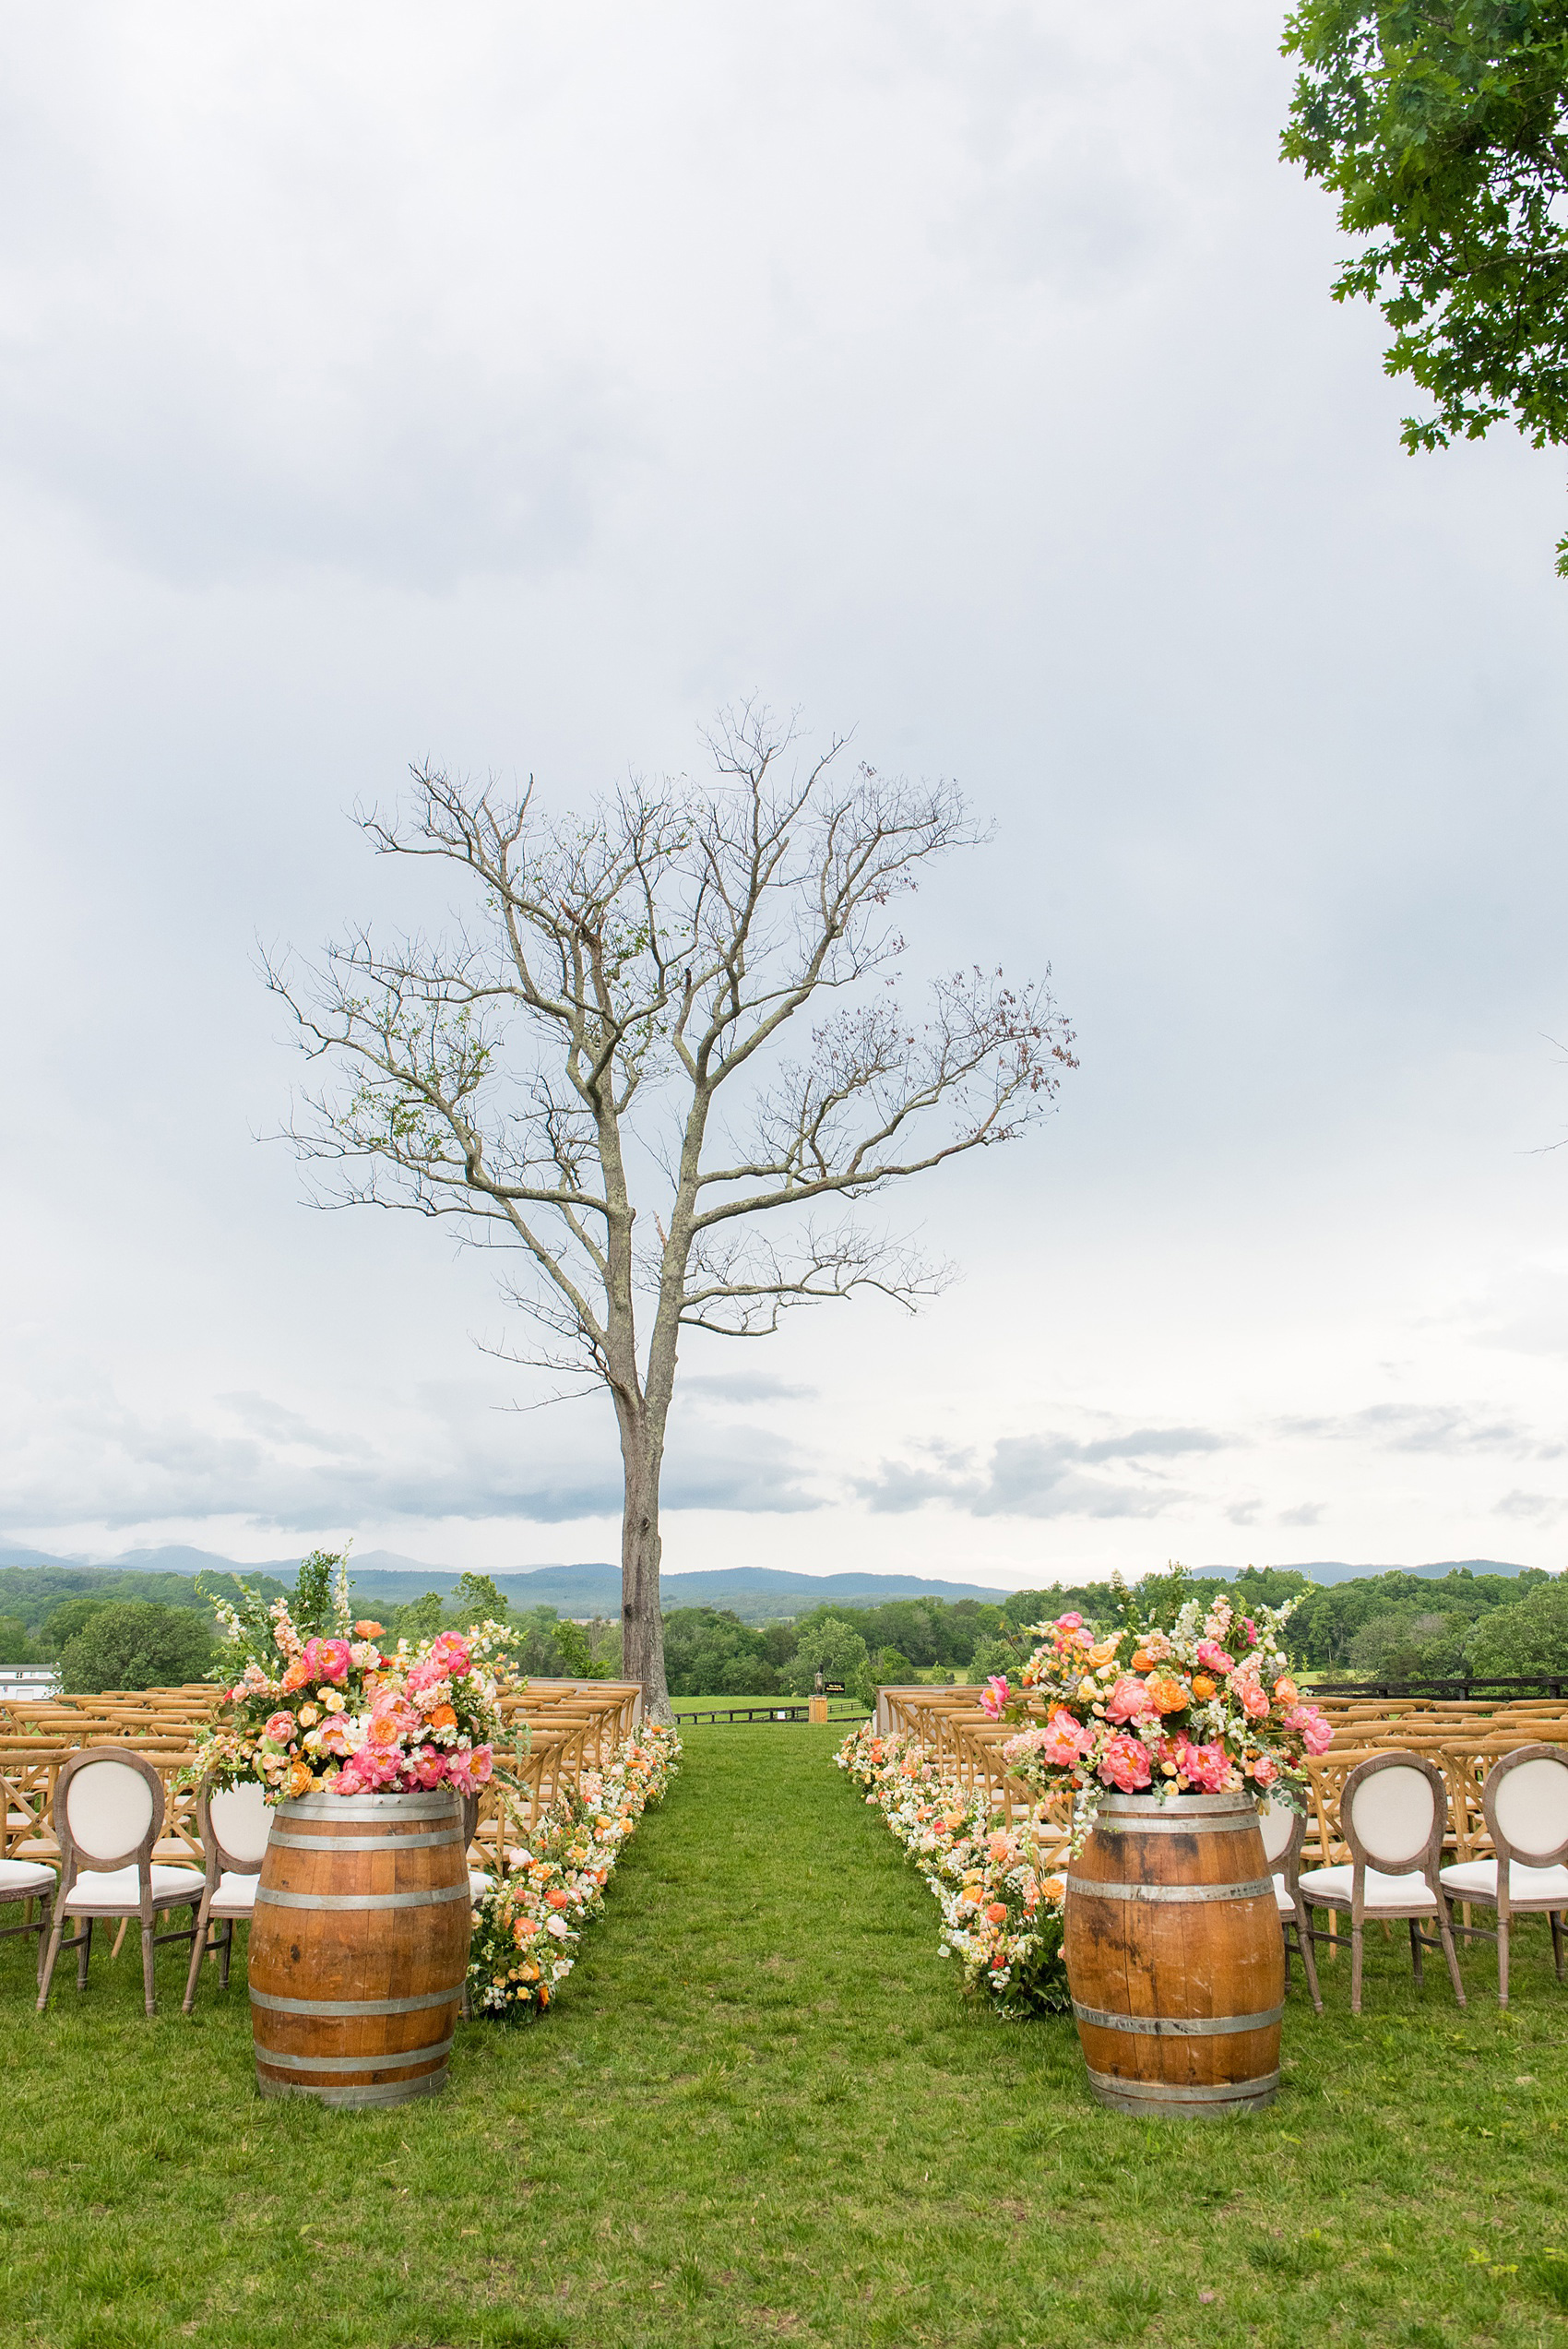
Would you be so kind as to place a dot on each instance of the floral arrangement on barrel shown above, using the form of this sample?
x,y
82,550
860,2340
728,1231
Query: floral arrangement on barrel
x,y
992,1877
1204,1705
340,1713
529,1925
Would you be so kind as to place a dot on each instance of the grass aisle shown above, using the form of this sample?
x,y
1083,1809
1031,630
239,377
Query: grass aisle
x,y
761,2112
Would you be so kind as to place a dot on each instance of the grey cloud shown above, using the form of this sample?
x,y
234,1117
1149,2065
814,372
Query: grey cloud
x,y
1424,1427
746,1387
1532,1509
1305,1513
1042,1476
290,1470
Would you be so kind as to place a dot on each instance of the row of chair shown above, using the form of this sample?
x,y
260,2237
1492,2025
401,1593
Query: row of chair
x,y
1393,1811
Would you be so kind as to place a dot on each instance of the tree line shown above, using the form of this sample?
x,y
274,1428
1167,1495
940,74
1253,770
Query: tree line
x,y
101,1629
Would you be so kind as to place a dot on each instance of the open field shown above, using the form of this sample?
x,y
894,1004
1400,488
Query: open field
x,y
760,2112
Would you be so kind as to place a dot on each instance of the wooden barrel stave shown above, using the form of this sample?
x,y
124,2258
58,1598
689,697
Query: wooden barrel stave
x,y
359,1948
1177,1965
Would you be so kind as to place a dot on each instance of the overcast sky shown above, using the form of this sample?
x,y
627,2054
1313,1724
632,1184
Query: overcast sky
x,y
513,386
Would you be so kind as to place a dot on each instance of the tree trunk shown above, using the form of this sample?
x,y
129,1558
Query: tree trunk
x,y
642,1623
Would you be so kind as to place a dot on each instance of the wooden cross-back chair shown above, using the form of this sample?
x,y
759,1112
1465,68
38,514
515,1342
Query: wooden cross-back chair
x,y
108,1809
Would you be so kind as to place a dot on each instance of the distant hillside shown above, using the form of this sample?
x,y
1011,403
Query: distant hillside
x,y
1334,1570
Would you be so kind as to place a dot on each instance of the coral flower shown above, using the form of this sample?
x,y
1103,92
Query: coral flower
x,y
1255,1701
300,1779
1205,1767
997,1912
1129,1700
327,1659
1069,1623
279,1728
1266,1770
1213,1658
1125,1763
296,1677
452,1653
368,1630
1166,1693
996,1695
443,1718
1202,1687
1286,1689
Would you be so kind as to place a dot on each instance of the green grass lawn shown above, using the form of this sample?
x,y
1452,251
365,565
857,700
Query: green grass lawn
x,y
761,2112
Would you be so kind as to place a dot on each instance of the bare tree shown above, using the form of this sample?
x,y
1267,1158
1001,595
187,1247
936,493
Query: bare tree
x,y
560,1057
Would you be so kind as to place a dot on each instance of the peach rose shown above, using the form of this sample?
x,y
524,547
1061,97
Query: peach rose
x,y
1166,1692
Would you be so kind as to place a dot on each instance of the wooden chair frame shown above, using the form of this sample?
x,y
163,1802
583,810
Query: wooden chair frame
x,y
1507,1856
75,1863
1287,1864
218,1863
1427,1858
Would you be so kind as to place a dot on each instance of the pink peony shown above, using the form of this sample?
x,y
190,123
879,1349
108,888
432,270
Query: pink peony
x,y
425,1674
1310,1724
1266,1770
1062,1740
335,1734
1205,1767
428,1767
1213,1658
327,1659
452,1653
279,1728
1125,1763
1069,1623
1130,1700
996,1697
482,1761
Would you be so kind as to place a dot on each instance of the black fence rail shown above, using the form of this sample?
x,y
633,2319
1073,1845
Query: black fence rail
x,y
774,1712
1474,1686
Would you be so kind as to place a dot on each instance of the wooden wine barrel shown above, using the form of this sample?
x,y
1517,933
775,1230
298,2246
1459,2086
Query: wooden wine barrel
x,y
359,1947
1174,1956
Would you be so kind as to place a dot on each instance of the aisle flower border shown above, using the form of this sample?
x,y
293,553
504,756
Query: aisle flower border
x,y
1001,1899
528,1927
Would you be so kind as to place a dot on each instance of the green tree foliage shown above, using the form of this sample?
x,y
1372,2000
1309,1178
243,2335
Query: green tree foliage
x,y
138,1645
708,1651
1528,1638
36,1593
16,1642
1323,1631
1441,125
421,1619
837,1650
1411,1643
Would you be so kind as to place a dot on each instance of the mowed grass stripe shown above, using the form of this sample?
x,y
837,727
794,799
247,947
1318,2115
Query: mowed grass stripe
x,y
760,2111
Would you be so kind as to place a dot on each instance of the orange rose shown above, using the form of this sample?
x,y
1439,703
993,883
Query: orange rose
x,y
1140,1662
1102,1650
367,1630
296,1675
301,1779
1167,1694
443,1718
1202,1687
1285,1691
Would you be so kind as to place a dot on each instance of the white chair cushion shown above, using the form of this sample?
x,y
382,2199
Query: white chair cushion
x,y
235,1895
109,1807
1329,1887
22,1880
1545,1888
478,1883
242,1820
1286,1905
116,1892
1531,1801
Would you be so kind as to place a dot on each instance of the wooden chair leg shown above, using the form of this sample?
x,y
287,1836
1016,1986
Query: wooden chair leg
x,y
84,1952
1501,1958
1415,1950
147,1958
46,1925
1555,1921
1304,1943
1355,1968
46,1972
197,1951
1446,1929
225,1952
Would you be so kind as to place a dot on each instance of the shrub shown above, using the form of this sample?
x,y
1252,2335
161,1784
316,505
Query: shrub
x,y
16,1647
138,1645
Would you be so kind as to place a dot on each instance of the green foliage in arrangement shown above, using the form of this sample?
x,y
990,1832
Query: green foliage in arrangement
x,y
1441,125
760,2114
138,1645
